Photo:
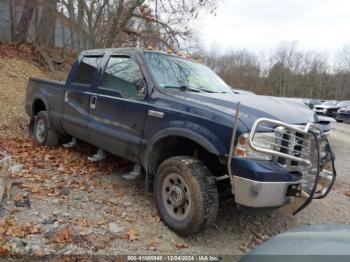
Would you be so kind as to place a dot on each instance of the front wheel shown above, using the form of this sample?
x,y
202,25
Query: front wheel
x,y
186,195
43,133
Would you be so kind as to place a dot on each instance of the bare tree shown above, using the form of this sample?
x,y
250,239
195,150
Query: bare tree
x,y
135,22
240,69
343,58
286,71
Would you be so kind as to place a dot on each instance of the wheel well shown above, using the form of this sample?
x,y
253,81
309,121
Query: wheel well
x,y
38,106
176,146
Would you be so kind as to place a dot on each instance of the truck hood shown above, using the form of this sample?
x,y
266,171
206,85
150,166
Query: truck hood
x,y
255,106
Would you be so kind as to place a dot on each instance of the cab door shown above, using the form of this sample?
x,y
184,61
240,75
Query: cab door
x,y
119,108
77,97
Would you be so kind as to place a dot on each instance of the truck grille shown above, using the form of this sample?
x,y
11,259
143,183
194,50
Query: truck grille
x,y
288,144
291,143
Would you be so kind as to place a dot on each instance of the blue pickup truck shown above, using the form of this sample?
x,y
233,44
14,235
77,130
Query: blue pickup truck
x,y
195,140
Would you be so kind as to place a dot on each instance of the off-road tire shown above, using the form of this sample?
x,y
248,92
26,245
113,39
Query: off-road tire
x,y
203,194
49,137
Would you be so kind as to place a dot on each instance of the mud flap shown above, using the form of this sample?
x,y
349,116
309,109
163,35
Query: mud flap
x,y
318,182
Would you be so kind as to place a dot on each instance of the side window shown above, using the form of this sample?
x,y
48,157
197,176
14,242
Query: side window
x,y
121,75
86,70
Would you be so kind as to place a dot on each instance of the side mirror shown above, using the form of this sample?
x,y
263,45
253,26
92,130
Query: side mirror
x,y
141,89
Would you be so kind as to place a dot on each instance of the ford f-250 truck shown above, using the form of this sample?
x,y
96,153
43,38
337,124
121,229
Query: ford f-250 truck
x,y
194,138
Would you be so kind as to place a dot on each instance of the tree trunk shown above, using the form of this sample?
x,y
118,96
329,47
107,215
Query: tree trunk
x,y
23,26
46,32
81,12
71,11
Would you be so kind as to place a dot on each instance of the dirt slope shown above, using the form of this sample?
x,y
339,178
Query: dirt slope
x,y
14,75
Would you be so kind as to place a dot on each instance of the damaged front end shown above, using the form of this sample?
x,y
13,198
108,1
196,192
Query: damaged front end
x,y
280,165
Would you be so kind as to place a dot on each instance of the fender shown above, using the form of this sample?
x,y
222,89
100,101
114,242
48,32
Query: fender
x,y
185,133
40,94
43,99
45,102
179,132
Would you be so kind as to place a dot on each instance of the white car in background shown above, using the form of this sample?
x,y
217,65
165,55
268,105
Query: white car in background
x,y
326,107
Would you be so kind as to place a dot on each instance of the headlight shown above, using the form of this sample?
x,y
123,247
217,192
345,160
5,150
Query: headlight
x,y
262,140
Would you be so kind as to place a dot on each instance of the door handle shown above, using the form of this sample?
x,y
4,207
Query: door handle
x,y
66,96
155,113
93,102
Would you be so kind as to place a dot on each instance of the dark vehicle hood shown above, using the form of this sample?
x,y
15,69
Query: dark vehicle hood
x,y
255,106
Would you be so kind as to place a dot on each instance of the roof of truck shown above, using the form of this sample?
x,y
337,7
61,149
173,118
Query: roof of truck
x,y
135,50
111,50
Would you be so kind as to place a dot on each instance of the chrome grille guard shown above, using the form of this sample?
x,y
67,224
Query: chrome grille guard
x,y
299,147
295,137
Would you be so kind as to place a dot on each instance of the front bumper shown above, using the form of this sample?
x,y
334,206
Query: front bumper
x,y
262,184
259,194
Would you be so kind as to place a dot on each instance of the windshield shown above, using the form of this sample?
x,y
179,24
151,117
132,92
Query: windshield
x,y
330,103
175,72
344,104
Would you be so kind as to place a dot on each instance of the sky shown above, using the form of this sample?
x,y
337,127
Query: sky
x,y
260,25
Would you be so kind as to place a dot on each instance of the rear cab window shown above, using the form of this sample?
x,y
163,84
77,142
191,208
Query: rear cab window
x,y
85,73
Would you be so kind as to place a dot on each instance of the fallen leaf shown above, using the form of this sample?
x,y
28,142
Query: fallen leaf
x,y
128,219
102,222
114,211
38,253
15,210
83,222
132,234
153,242
17,197
35,229
157,219
181,245
5,249
65,235
347,193
118,194
40,177
22,231
3,226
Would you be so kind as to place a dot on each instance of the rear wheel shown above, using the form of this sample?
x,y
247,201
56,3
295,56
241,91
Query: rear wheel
x,y
186,195
43,133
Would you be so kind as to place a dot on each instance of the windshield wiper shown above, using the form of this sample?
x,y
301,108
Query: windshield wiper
x,y
206,90
184,88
